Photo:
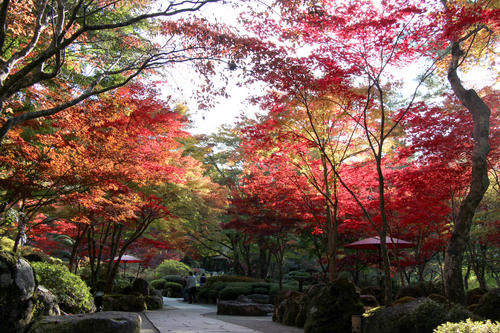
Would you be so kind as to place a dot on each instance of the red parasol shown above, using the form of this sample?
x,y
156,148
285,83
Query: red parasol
x,y
127,259
373,243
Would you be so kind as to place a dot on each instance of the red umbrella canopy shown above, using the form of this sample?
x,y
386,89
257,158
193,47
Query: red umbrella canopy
x,y
127,259
374,243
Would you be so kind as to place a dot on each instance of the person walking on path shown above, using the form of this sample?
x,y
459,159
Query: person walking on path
x,y
203,279
191,288
184,289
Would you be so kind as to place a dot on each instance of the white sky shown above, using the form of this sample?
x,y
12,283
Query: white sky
x,y
227,111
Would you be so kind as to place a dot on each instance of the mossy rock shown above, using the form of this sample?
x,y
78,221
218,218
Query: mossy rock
x,y
489,305
403,300
438,298
153,302
472,307
331,307
369,301
141,286
17,292
474,295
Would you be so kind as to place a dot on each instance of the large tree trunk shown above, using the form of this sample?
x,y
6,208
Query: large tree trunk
x,y
457,246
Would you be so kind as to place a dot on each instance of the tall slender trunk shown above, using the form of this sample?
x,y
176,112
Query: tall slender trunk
x,y
330,225
453,281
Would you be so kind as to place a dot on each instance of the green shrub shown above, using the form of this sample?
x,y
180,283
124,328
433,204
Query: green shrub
x,y
72,293
213,295
229,278
260,291
457,313
204,294
265,285
427,316
232,293
171,267
120,286
173,278
158,284
176,287
469,326
421,289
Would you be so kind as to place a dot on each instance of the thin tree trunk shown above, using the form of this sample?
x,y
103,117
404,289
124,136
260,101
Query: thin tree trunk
x,y
453,281
480,277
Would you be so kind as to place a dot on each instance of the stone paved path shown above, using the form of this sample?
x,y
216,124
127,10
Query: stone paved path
x,y
181,317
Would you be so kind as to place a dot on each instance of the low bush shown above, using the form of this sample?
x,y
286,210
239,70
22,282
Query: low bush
x,y
260,291
158,284
427,316
204,294
229,278
213,295
171,267
176,287
421,289
120,286
469,326
73,295
173,278
231,293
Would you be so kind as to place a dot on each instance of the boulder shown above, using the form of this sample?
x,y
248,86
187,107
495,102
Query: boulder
x,y
489,305
126,303
290,310
309,294
281,296
474,295
329,308
369,301
46,303
378,292
243,307
109,322
141,286
259,298
155,301
17,293
389,319
421,315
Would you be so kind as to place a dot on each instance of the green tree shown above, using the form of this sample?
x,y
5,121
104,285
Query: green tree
x,y
172,267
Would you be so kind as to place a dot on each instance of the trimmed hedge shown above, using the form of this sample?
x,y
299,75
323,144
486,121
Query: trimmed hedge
x,y
264,291
229,278
176,287
158,284
231,290
173,278
235,289
204,294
